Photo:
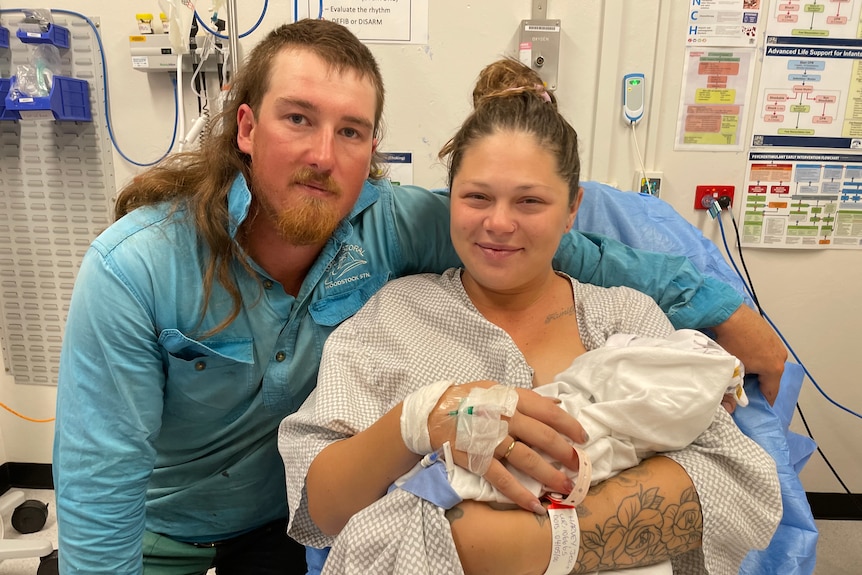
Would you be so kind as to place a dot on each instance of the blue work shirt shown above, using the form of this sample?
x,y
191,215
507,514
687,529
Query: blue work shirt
x,y
161,428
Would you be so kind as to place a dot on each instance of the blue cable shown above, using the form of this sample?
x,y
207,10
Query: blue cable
x,y
780,335
107,95
244,34
320,14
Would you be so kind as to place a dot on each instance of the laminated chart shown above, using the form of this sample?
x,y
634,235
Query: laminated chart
x,y
810,89
723,22
802,200
832,19
716,83
375,21
810,96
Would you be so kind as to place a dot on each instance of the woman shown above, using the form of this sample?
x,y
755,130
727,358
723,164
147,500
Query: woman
x,y
507,317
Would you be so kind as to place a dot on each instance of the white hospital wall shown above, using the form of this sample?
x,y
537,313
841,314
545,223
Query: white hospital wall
x,y
20,440
811,295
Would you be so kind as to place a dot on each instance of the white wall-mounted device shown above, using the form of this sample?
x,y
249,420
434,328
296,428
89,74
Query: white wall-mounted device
x,y
633,97
154,53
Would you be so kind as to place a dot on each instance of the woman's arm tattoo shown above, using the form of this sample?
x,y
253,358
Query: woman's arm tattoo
x,y
454,514
645,529
634,518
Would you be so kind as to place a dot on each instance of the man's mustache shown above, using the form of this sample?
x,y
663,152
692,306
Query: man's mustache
x,y
310,176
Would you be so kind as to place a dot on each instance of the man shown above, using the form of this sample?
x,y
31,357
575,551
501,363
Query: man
x,y
198,319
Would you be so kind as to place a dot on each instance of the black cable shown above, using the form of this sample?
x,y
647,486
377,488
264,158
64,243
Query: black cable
x,y
198,92
193,52
724,201
853,497
220,26
205,111
745,267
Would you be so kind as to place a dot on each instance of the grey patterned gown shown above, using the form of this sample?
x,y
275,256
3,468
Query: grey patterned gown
x,y
422,329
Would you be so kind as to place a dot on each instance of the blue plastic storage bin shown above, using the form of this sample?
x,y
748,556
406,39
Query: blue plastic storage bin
x,y
5,114
4,37
56,35
69,100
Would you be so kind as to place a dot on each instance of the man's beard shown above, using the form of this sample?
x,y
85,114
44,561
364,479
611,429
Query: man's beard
x,y
311,220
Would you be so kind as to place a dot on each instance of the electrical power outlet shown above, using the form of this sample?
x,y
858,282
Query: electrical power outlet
x,y
705,195
651,184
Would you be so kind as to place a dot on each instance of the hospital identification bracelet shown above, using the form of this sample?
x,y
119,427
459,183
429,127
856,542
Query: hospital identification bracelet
x,y
565,529
566,534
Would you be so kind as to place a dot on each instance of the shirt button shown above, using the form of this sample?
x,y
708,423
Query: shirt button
x,y
267,284
280,356
200,366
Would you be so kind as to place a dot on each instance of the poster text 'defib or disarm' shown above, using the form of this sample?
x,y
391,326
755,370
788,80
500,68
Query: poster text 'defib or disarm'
x,y
379,21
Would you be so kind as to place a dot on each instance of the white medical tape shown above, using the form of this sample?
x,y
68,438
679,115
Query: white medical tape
x,y
582,482
480,427
449,459
566,537
414,416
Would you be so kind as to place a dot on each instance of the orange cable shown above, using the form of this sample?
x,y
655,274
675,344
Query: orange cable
x,y
7,408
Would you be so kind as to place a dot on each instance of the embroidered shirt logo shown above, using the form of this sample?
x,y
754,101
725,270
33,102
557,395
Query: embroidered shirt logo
x,y
350,258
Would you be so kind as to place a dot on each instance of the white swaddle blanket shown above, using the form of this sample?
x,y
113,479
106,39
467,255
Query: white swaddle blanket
x,y
635,397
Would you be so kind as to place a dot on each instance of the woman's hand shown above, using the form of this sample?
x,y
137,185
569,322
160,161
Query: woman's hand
x,y
538,423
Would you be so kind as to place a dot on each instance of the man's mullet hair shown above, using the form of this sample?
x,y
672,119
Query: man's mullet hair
x,y
198,181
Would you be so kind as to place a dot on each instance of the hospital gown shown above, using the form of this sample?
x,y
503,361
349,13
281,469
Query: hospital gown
x,y
421,329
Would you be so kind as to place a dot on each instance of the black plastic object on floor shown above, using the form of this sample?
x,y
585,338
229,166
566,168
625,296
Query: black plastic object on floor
x,y
30,516
49,565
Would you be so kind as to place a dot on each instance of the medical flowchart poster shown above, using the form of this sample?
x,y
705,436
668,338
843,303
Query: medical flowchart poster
x,y
810,89
723,23
715,91
828,20
802,200
809,96
377,21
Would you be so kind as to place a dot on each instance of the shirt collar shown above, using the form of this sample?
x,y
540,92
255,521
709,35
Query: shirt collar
x,y
238,202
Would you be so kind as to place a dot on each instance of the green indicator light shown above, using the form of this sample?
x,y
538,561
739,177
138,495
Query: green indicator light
x,y
634,82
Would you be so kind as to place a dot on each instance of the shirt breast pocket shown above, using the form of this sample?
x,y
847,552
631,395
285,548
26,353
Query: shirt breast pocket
x,y
330,311
207,380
